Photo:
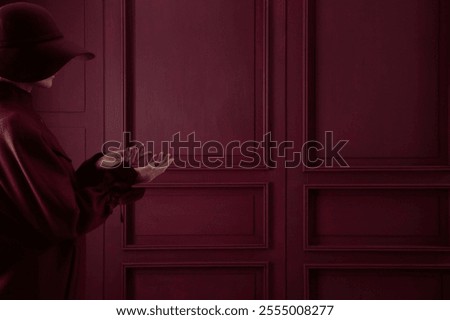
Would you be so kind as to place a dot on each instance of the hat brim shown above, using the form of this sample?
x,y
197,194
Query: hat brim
x,y
38,61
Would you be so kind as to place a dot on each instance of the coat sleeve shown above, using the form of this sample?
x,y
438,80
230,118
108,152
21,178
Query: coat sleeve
x,y
46,193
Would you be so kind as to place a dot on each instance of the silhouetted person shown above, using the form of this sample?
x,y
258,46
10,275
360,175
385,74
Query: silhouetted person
x,y
45,206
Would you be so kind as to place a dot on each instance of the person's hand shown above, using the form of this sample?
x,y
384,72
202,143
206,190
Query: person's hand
x,y
153,169
116,182
137,159
130,157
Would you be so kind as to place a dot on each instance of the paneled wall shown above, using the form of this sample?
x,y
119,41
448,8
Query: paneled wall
x,y
202,67
374,73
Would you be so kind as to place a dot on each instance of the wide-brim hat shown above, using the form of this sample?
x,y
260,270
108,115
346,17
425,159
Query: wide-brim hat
x,y
32,48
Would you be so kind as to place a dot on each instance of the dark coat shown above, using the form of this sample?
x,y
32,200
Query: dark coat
x,y
45,206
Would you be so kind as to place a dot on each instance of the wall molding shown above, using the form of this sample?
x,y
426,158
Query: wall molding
x,y
307,246
264,244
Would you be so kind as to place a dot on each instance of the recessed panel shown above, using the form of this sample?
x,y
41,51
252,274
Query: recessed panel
x,y
367,217
198,216
378,78
195,282
68,93
379,283
201,72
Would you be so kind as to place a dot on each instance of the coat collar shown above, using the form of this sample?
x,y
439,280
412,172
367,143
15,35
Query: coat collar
x,y
11,94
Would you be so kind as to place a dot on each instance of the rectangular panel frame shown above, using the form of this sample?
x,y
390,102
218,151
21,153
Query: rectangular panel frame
x,y
262,95
80,107
264,266
307,268
309,93
310,247
265,216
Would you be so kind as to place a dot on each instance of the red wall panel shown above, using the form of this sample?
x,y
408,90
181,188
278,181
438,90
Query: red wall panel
x,y
377,77
202,72
205,67
379,283
201,215
369,217
196,282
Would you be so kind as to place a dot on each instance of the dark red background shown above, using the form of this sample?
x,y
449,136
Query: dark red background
x,y
374,72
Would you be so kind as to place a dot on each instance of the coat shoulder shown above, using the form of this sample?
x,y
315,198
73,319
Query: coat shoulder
x,y
18,122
